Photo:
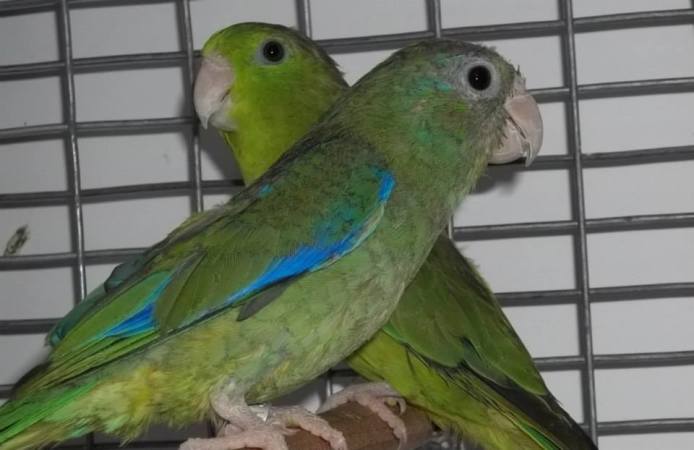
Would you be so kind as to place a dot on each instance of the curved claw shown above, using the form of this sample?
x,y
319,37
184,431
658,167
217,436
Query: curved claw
x,y
376,397
296,416
265,439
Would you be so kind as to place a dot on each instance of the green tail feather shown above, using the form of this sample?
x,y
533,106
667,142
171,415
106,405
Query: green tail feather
x,y
557,430
19,415
542,419
540,439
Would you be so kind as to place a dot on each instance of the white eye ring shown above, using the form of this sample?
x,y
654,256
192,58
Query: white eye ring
x,y
480,79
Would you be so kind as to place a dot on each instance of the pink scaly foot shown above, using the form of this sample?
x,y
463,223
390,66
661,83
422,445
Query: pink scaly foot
x,y
245,429
298,417
376,397
263,436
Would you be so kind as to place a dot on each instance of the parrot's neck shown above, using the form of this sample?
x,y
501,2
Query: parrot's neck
x,y
449,156
270,121
256,147
252,158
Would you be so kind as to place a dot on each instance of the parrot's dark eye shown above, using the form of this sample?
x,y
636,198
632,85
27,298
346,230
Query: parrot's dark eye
x,y
273,51
479,78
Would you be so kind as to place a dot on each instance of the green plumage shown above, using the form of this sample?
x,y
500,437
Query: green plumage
x,y
254,298
448,348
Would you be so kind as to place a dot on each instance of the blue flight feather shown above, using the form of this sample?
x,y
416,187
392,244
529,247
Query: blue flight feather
x,y
305,259
142,319
387,185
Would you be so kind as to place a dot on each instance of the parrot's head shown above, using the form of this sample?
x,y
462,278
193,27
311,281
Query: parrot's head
x,y
442,91
262,86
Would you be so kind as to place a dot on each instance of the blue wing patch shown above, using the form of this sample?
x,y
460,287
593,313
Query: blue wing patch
x,y
312,257
304,259
143,319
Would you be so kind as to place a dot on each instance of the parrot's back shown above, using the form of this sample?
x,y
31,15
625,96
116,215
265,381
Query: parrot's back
x,y
133,359
449,349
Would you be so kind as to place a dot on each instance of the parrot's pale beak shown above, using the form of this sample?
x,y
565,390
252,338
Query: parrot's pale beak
x,y
523,134
211,92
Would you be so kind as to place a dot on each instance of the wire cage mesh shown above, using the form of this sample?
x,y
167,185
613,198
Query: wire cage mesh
x,y
569,94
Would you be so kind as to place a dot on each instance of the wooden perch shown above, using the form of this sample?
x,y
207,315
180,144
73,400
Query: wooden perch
x,y
365,431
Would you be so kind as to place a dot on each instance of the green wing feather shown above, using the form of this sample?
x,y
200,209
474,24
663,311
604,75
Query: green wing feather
x,y
124,271
461,312
215,260
450,322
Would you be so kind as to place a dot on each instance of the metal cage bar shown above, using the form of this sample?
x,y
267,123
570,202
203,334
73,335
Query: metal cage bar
x,y
571,93
186,27
350,44
579,214
74,174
